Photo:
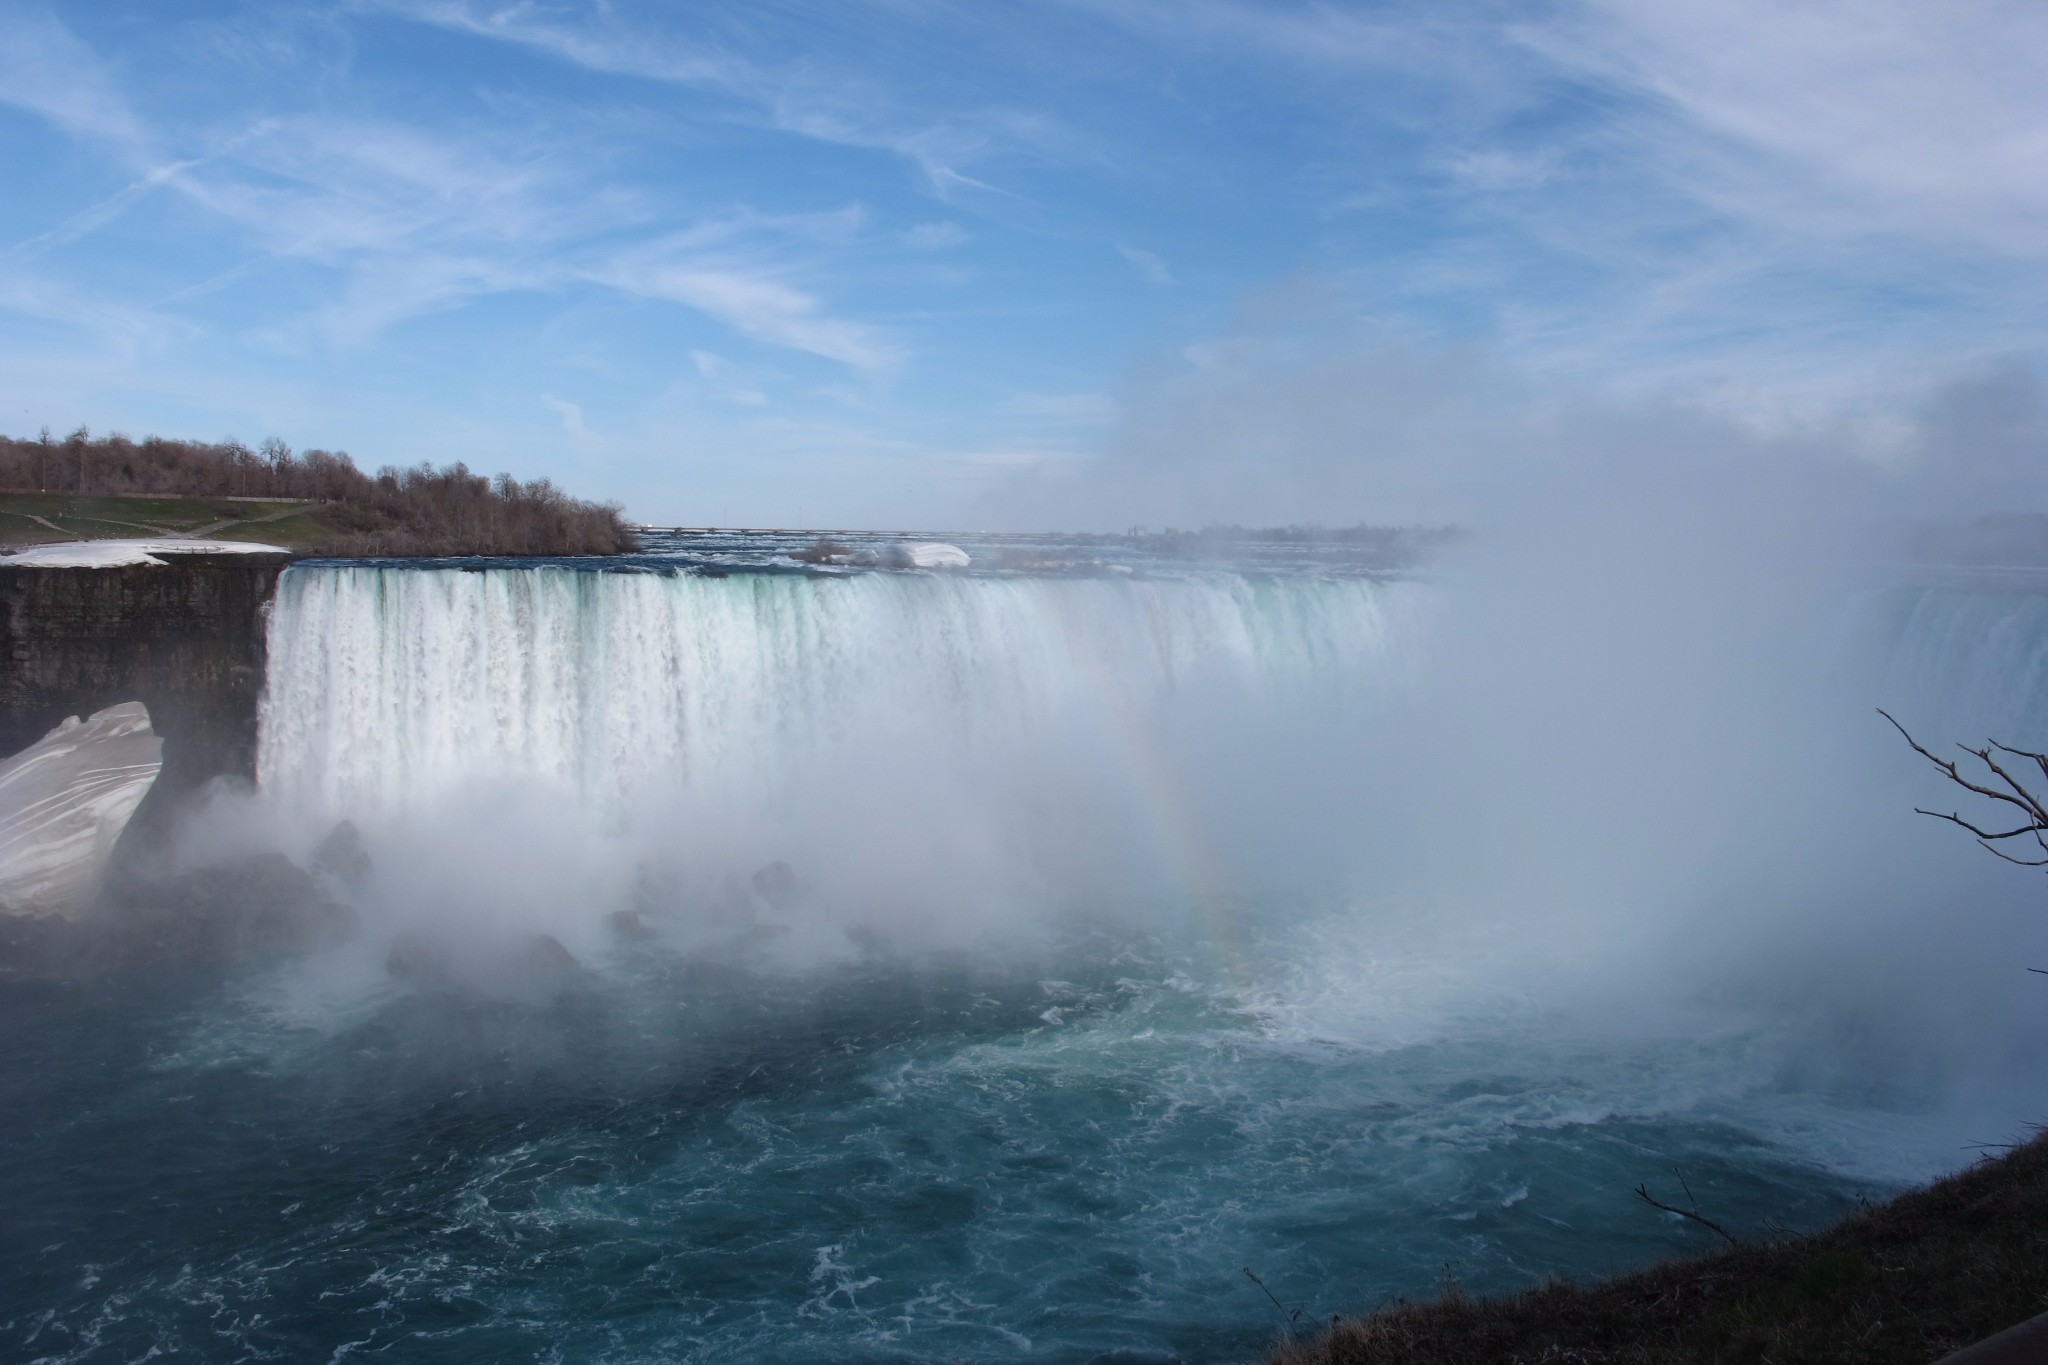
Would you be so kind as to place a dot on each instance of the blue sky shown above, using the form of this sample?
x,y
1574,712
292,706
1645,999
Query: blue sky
x,y
965,263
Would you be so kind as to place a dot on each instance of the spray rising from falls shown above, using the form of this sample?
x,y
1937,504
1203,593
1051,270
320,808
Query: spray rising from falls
x,y
900,735
921,760
1035,738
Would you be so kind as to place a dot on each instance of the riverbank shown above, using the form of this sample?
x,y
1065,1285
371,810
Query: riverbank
x,y
399,524
312,501
1903,1282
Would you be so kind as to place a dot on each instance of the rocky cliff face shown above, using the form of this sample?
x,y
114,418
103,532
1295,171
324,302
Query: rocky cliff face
x,y
184,638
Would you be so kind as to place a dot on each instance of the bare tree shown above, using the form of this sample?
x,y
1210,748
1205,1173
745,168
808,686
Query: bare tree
x,y
1996,784
416,511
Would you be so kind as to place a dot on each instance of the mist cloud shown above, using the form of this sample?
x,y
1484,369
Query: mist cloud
x,y
1301,416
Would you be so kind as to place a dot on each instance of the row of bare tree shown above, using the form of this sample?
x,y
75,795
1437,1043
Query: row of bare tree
x,y
416,511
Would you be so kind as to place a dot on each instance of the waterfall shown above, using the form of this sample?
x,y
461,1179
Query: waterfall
x,y
1070,711
1086,737
1964,665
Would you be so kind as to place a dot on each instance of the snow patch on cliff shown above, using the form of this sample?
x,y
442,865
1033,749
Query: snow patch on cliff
x,y
64,801
114,554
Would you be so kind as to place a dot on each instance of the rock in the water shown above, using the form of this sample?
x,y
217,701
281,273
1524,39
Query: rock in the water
x,y
546,957
64,801
252,909
537,971
341,855
823,550
543,971
778,885
419,960
871,941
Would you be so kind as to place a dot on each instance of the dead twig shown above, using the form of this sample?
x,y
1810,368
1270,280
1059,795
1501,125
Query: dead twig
x,y
1693,1213
1293,1314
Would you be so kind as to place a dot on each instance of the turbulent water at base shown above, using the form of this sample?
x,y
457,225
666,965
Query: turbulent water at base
x,y
1095,977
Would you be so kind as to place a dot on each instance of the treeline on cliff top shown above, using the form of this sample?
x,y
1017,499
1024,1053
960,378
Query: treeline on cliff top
x,y
419,510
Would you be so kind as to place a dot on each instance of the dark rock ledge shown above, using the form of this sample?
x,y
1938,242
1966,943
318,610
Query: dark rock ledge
x,y
185,638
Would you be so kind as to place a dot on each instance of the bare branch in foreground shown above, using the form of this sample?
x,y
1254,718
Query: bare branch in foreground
x,y
2010,791
1292,1315
1693,1213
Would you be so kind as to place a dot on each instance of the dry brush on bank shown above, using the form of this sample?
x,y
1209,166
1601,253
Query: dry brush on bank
x,y
1900,1283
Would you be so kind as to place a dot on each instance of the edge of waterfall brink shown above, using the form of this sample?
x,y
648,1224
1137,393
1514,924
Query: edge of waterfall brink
x,y
1900,1283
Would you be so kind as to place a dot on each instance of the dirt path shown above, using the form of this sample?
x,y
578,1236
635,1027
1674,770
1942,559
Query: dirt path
x,y
116,521
211,527
109,521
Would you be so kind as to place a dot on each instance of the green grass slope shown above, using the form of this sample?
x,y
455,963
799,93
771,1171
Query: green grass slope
x,y
39,518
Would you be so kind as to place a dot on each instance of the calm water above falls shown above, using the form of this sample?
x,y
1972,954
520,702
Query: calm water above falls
x,y
1127,945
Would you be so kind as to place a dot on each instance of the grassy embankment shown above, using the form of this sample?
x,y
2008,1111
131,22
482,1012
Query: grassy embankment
x,y
39,518
1903,1282
408,523
315,501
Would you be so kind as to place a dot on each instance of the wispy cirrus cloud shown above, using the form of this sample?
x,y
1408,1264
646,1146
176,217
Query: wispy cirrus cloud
x,y
574,427
934,236
1835,116
47,71
1830,114
412,221
797,95
737,268
1149,264
1633,186
760,307
1797,205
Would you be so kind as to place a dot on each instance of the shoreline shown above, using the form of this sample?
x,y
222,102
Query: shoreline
x,y
1906,1282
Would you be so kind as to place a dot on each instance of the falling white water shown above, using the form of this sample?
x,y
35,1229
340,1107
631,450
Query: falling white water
x,y
1965,665
544,742
389,687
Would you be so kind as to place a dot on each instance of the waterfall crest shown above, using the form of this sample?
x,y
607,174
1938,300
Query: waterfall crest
x,y
1964,665
389,685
